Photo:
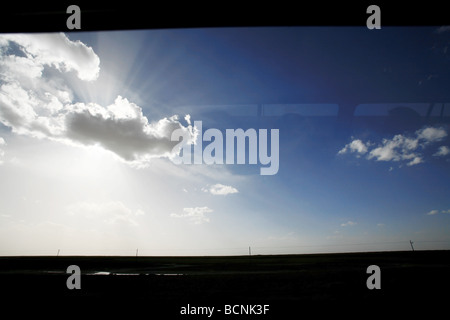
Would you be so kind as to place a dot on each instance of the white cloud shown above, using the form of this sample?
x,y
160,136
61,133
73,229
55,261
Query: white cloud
x,y
354,146
348,224
400,148
196,215
35,100
396,149
443,151
58,51
432,212
385,153
188,118
220,189
414,161
431,134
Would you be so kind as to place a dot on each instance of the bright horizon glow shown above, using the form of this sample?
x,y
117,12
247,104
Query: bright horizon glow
x,y
85,151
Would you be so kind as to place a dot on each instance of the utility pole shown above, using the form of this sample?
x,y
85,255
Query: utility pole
x,y
57,253
411,243
249,251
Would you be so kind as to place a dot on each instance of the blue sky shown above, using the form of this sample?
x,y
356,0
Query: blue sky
x,y
85,149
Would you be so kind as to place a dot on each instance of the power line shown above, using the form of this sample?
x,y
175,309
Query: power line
x,y
254,249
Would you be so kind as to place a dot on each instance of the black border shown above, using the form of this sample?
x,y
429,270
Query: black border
x,y
52,17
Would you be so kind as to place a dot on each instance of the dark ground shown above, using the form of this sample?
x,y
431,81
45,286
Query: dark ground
x,y
292,285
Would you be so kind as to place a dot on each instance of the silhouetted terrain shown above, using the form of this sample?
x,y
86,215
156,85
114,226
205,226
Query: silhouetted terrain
x,y
327,284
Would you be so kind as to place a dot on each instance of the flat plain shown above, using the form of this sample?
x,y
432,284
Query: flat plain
x,y
324,284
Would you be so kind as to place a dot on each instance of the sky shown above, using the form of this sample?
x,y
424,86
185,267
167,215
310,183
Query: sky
x,y
356,120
